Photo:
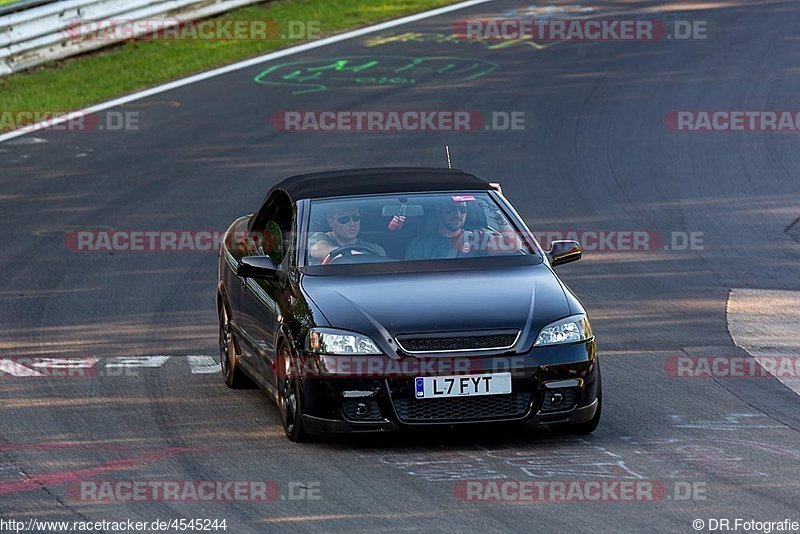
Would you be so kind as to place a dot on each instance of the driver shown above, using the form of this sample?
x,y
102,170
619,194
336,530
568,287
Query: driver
x,y
345,223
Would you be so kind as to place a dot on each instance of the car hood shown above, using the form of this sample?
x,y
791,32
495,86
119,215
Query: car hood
x,y
386,305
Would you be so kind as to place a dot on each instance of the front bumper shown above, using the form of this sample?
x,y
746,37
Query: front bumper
x,y
336,402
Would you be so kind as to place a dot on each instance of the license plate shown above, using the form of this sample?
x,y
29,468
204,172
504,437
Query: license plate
x,y
427,387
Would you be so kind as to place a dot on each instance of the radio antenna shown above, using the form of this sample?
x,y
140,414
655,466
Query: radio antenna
x,y
447,151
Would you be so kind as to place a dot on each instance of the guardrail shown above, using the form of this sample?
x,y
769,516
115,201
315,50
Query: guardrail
x,y
19,5
40,34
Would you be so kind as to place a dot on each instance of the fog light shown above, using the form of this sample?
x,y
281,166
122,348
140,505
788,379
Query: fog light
x,y
361,409
559,399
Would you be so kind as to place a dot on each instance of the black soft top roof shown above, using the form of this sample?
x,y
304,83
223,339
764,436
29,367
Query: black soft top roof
x,y
378,180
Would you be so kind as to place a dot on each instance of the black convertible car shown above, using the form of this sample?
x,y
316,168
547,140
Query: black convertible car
x,y
380,299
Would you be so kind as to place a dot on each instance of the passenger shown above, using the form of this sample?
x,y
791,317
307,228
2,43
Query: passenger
x,y
451,240
448,241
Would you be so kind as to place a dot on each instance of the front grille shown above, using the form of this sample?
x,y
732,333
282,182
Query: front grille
x,y
485,407
452,341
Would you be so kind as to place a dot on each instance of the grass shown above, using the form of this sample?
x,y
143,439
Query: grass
x,y
78,82
5,2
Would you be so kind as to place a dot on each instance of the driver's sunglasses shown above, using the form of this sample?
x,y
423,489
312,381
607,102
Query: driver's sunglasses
x,y
345,219
460,209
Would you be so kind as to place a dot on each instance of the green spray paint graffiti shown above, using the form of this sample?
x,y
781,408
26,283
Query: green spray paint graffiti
x,y
373,71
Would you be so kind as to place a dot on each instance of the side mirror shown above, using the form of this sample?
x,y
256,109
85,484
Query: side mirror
x,y
564,252
257,267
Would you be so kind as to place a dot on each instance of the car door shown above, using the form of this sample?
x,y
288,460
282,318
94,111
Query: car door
x,y
234,249
260,305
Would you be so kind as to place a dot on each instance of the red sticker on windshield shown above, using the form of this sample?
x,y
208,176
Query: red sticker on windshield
x,y
462,198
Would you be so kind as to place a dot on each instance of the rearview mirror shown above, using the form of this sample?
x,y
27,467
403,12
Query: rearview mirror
x,y
257,267
411,210
564,252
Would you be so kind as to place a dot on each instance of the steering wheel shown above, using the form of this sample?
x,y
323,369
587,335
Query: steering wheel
x,y
347,251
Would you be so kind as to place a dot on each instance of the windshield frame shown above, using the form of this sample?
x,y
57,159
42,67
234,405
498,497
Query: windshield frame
x,y
534,256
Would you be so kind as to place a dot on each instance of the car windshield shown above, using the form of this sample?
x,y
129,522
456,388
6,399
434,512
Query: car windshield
x,y
410,227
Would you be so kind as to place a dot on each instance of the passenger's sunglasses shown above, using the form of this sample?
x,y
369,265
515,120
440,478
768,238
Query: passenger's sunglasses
x,y
460,209
344,219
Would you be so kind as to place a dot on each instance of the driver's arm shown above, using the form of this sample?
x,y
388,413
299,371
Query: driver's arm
x,y
319,246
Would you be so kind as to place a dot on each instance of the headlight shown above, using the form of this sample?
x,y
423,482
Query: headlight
x,y
568,330
330,341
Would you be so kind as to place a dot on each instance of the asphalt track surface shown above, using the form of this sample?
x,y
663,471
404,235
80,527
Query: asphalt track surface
x,y
595,154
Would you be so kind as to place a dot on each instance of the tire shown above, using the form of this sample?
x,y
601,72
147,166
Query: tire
x,y
233,376
290,401
587,427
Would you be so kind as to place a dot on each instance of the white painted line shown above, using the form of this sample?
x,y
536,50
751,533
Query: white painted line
x,y
199,364
732,422
13,368
247,63
766,324
203,365
65,363
137,361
